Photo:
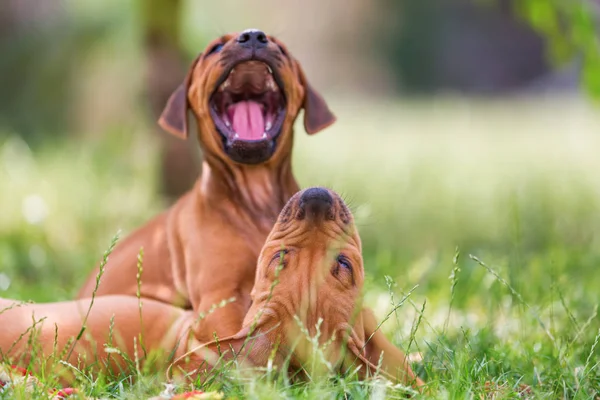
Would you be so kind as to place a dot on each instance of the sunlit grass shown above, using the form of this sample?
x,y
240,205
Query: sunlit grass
x,y
513,185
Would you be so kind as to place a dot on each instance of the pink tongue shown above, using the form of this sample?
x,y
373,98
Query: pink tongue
x,y
247,119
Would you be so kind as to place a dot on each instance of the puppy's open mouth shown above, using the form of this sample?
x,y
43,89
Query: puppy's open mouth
x,y
248,108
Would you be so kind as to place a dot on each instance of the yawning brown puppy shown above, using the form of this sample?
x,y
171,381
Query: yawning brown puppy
x,y
245,92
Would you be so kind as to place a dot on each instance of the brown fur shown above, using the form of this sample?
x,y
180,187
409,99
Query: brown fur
x,y
299,275
204,249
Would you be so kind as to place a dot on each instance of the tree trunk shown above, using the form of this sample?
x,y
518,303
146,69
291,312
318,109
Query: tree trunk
x,y
165,70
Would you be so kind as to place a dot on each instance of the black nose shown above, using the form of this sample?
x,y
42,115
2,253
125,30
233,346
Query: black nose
x,y
316,203
252,38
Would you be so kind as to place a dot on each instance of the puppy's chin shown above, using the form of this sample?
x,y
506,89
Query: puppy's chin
x,y
250,152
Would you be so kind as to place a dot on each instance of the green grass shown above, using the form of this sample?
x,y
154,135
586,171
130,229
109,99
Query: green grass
x,y
504,196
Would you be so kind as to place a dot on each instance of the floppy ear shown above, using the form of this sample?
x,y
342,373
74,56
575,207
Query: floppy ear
x,y
317,115
376,347
174,118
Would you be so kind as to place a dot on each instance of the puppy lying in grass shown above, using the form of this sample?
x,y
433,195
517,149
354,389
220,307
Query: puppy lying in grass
x,y
305,316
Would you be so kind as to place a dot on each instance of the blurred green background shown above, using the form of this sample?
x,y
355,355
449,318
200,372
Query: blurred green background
x,y
462,124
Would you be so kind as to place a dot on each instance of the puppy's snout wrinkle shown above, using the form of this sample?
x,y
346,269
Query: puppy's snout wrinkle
x,y
316,204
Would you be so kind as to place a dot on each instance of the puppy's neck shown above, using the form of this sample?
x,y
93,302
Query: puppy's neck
x,y
257,192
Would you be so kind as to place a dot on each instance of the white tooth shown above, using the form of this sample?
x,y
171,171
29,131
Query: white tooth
x,y
270,70
227,123
268,126
236,136
226,84
264,136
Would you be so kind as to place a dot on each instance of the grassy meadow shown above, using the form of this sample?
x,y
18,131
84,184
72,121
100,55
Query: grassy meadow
x,y
480,222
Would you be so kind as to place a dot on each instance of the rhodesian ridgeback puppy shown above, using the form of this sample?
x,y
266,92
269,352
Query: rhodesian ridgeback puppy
x,y
245,92
308,284
308,279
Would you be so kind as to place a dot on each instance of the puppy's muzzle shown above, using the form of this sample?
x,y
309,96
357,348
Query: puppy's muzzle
x,y
316,204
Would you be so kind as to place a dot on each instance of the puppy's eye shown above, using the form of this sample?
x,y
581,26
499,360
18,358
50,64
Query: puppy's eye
x,y
216,48
279,257
342,270
343,262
